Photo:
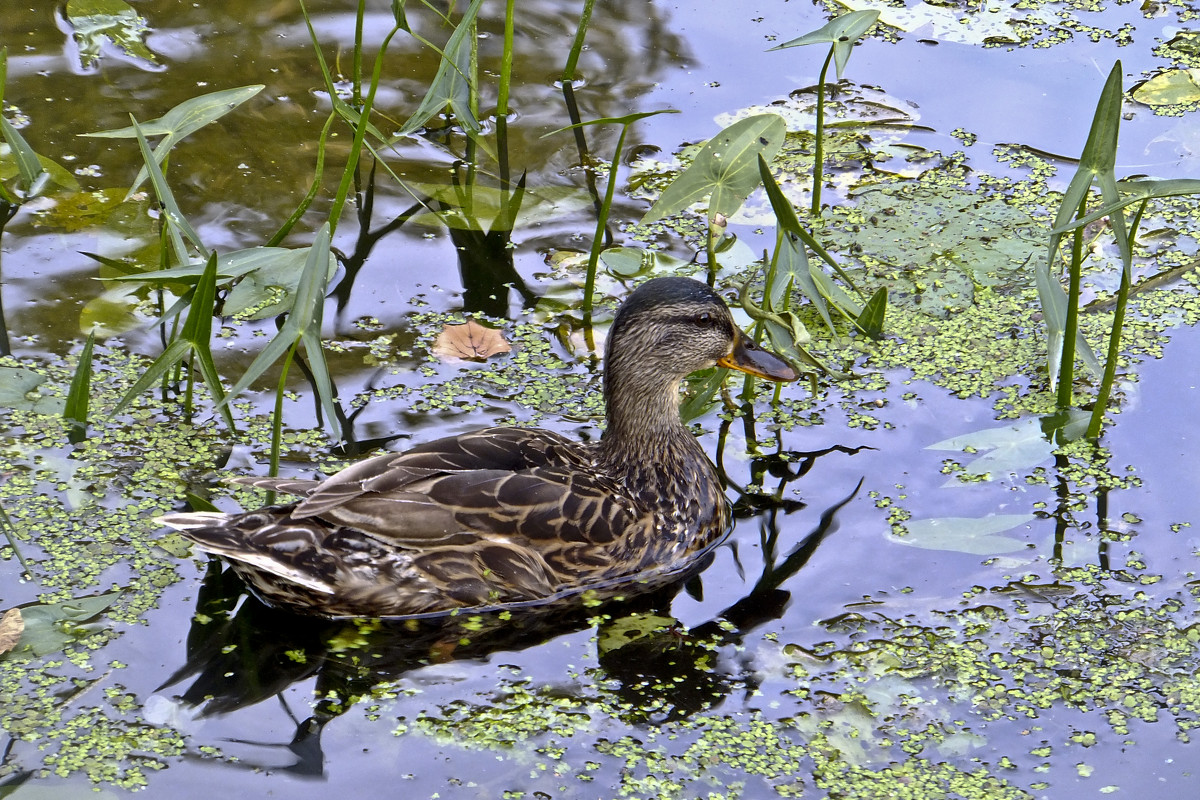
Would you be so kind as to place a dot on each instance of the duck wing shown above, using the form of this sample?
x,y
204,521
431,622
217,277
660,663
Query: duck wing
x,y
528,488
500,515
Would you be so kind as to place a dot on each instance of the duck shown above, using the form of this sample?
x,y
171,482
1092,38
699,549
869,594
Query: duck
x,y
509,517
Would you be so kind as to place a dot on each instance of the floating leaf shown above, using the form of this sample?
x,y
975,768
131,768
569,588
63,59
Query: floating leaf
x,y
975,535
51,789
636,262
95,21
635,627
725,169
1009,449
702,392
11,626
50,628
112,312
952,23
19,388
1169,88
469,342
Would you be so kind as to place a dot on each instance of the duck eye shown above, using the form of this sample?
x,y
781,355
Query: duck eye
x,y
705,320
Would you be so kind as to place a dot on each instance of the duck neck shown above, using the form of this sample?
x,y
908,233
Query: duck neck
x,y
645,441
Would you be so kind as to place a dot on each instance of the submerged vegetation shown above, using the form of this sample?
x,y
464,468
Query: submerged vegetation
x,y
914,277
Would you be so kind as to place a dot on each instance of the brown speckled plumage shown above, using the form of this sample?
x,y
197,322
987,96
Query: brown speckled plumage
x,y
510,515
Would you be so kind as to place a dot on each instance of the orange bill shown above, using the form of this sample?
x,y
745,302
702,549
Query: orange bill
x,y
750,358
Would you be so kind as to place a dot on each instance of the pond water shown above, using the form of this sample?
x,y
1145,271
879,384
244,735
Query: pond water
x,y
887,619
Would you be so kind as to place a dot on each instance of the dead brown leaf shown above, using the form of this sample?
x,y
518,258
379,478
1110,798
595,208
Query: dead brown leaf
x,y
469,342
11,627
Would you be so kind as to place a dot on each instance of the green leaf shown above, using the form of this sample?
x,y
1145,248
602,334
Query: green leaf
x,y
194,338
93,21
637,262
172,355
34,176
787,334
791,259
1053,299
176,222
635,627
725,169
628,119
400,16
181,121
451,85
1097,163
303,325
1132,192
20,389
1172,87
76,410
840,32
270,288
465,210
701,393
50,628
870,321
975,535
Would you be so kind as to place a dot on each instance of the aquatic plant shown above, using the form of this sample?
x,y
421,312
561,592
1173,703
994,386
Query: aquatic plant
x,y
725,170
1061,310
602,213
841,34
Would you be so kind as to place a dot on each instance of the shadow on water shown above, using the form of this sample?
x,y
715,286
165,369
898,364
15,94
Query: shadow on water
x,y
241,653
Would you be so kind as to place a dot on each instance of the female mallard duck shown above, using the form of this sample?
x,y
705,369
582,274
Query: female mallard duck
x,y
510,515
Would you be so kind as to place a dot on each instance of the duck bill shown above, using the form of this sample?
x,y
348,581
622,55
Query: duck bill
x,y
748,357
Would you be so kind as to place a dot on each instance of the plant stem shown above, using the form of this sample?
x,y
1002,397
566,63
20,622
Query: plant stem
x,y
10,533
277,413
1114,337
577,45
819,150
589,284
1066,370
502,106
358,51
360,131
1110,364
7,212
710,250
